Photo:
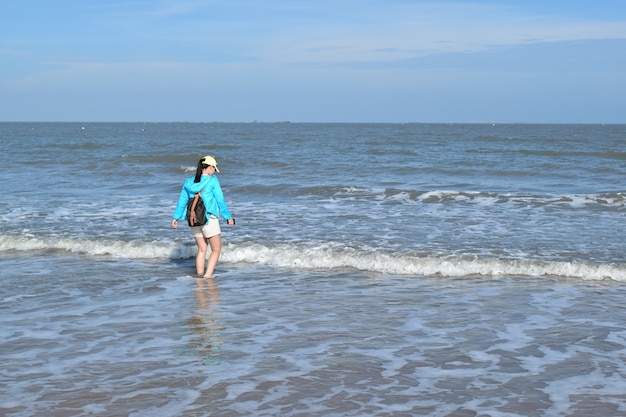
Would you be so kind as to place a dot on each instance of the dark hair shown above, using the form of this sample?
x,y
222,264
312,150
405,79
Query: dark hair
x,y
199,169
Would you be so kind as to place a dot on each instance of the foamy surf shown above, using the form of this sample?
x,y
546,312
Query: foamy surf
x,y
326,256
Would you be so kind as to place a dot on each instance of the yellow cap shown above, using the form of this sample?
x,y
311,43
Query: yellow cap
x,y
209,160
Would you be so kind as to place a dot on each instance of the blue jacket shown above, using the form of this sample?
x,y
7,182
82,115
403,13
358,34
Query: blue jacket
x,y
212,196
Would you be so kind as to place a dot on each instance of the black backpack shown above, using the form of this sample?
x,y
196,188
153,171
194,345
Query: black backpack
x,y
196,211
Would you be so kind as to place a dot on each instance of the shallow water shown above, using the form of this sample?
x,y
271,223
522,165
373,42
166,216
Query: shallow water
x,y
378,270
266,342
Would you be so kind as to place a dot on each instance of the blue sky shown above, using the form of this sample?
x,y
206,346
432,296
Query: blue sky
x,y
560,61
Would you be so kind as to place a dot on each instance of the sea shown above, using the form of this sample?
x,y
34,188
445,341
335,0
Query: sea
x,y
401,269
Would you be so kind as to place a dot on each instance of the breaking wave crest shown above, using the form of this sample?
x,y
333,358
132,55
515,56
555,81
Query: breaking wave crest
x,y
310,256
301,256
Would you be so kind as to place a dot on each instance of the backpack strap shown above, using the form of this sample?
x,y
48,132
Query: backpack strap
x,y
192,215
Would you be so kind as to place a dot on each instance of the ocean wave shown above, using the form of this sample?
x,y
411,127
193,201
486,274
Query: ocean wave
x,y
607,200
407,196
121,249
312,256
321,257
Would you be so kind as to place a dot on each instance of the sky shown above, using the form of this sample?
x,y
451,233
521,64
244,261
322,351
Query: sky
x,y
476,61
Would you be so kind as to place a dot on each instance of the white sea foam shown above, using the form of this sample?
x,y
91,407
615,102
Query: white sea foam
x,y
575,201
322,257
310,256
122,249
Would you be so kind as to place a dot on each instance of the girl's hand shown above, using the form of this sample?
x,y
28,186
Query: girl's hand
x,y
174,223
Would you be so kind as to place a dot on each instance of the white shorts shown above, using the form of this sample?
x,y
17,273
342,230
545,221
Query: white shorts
x,y
212,228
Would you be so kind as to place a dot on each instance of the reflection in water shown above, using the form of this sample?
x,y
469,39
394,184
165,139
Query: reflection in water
x,y
205,323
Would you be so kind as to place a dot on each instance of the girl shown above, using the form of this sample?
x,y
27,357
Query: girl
x,y
206,181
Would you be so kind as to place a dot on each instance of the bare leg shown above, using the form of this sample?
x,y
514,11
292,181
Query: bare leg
x,y
216,249
201,255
